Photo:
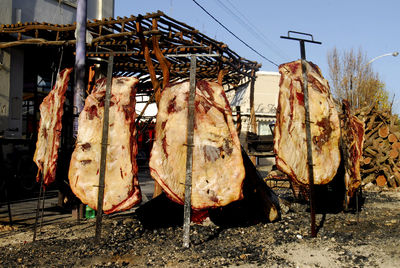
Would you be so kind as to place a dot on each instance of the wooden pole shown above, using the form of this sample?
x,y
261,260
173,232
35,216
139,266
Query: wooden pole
x,y
238,120
104,144
253,122
189,153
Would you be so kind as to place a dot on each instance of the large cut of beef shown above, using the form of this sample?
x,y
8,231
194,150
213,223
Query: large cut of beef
x,y
353,139
121,190
290,145
48,140
218,170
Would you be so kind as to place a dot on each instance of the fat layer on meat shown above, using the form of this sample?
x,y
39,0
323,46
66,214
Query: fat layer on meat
x,y
218,170
121,190
48,141
289,135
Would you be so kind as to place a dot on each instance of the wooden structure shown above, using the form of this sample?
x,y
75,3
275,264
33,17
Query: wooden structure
x,y
142,46
142,43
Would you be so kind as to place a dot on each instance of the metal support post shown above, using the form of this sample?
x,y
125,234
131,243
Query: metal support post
x,y
309,147
80,61
189,153
307,122
37,208
189,143
104,143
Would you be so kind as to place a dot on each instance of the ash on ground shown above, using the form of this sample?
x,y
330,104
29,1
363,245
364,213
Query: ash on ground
x,y
345,239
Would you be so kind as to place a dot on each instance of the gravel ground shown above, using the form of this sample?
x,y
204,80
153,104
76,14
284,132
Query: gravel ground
x,y
128,240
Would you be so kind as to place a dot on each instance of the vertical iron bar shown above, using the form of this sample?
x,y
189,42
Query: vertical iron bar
x,y
307,122
357,209
42,210
309,144
104,143
8,201
253,122
38,208
238,120
80,61
189,153
302,50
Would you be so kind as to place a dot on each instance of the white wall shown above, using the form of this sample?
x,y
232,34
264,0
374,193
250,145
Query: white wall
x,y
50,11
11,69
59,12
98,9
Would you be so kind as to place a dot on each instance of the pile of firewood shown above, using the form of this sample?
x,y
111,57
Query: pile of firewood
x,y
381,161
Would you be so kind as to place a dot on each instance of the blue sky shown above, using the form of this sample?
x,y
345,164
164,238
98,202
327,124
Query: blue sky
x,y
373,26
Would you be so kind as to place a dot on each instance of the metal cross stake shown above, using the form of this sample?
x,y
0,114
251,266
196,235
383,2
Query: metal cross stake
x,y
189,144
104,141
307,121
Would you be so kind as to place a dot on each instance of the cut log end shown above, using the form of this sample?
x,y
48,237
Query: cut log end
x,y
380,180
394,153
396,145
383,131
392,138
367,160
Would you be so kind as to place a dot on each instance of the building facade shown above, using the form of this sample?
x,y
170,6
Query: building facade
x,y
13,61
266,91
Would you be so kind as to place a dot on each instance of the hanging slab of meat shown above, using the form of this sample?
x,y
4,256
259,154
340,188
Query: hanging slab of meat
x,y
218,170
290,136
353,139
48,141
121,190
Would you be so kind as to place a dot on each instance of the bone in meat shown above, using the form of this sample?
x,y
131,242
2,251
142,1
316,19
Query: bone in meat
x,y
48,140
353,139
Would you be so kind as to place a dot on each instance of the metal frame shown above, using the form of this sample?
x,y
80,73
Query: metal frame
x,y
307,123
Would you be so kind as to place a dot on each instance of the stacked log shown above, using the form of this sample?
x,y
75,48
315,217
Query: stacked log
x,y
381,161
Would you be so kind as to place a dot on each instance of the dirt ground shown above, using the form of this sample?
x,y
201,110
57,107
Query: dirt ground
x,y
132,240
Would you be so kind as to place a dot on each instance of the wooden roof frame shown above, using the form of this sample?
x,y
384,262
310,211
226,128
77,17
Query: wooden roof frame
x,y
140,45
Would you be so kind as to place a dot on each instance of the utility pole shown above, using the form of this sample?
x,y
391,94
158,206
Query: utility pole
x,y
80,62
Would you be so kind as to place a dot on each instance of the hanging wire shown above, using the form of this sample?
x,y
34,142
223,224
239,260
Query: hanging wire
x,y
246,23
237,37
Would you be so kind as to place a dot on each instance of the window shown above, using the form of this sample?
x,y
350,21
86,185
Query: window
x,y
264,128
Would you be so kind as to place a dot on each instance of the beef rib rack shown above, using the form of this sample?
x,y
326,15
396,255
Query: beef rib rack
x,y
218,170
353,139
48,141
290,145
121,190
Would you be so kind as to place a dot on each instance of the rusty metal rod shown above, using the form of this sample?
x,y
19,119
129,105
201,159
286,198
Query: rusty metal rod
x,y
8,200
37,208
307,121
189,153
309,146
42,210
103,156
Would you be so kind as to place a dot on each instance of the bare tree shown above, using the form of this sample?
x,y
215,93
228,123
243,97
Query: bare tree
x,y
353,79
